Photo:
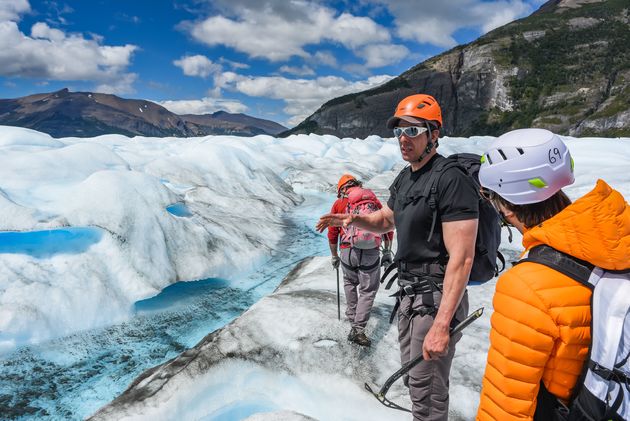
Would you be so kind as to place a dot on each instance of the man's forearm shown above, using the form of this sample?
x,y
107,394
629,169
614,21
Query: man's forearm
x,y
455,281
333,248
375,222
459,240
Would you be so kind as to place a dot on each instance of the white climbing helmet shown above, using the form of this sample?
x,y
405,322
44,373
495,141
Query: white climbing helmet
x,y
526,166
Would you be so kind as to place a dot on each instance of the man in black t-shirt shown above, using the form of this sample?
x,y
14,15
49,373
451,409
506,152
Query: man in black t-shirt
x,y
434,263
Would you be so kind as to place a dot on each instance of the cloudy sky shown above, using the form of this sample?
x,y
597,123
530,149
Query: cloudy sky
x,y
274,59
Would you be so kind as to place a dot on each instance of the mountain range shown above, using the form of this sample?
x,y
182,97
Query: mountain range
x,y
566,68
85,114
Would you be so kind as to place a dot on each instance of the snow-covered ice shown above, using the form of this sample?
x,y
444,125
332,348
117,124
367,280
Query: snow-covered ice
x,y
289,353
171,210
234,191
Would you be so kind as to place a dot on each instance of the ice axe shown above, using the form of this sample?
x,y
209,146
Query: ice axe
x,y
338,297
380,395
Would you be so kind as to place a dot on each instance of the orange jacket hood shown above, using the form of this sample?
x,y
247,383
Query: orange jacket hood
x,y
595,228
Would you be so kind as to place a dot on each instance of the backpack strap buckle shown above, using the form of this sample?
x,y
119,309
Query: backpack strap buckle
x,y
600,370
409,290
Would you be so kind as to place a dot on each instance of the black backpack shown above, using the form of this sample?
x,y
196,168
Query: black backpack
x,y
489,231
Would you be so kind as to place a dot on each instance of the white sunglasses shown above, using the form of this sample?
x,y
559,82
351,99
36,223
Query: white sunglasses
x,y
410,131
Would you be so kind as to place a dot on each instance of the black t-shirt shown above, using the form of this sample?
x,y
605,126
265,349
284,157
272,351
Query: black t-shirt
x,y
457,199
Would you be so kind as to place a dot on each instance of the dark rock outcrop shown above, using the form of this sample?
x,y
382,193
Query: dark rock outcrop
x,y
566,68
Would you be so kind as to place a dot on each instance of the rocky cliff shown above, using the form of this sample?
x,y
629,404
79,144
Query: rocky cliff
x,y
566,68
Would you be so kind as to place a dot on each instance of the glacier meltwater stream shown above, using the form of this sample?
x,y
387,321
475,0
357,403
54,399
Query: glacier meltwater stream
x,y
71,377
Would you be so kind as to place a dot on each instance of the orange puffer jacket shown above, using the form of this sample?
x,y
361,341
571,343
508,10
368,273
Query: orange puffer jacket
x,y
541,320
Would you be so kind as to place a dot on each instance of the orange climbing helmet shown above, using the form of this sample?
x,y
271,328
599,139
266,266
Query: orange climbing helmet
x,y
345,179
417,109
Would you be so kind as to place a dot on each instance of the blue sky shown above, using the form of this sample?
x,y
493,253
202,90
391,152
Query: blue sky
x,y
274,59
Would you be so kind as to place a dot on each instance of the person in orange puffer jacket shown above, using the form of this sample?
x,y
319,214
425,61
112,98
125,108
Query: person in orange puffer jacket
x,y
540,333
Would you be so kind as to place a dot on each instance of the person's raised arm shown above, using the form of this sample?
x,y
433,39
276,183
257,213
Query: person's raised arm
x,y
459,241
378,222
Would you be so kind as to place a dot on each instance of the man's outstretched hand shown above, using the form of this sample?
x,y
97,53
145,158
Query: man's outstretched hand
x,y
334,220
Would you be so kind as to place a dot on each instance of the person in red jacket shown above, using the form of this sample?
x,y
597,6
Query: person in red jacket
x,y
360,267
541,332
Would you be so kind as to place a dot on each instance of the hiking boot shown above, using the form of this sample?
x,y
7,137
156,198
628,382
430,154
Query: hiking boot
x,y
352,334
358,337
361,339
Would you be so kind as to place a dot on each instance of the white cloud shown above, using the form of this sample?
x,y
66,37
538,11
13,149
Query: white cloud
x,y
280,30
197,65
501,16
326,58
234,64
430,31
301,96
119,86
203,106
379,55
42,31
51,54
436,23
298,71
12,9
254,40
356,70
353,31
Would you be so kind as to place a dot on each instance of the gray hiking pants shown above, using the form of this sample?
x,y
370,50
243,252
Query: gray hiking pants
x,y
428,380
361,271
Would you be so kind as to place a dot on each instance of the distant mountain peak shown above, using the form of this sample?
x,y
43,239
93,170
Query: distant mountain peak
x,y
61,93
86,114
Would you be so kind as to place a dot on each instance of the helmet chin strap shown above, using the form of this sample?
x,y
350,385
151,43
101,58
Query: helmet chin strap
x,y
429,146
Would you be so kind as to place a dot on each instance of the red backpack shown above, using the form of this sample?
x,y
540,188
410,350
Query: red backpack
x,y
362,202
